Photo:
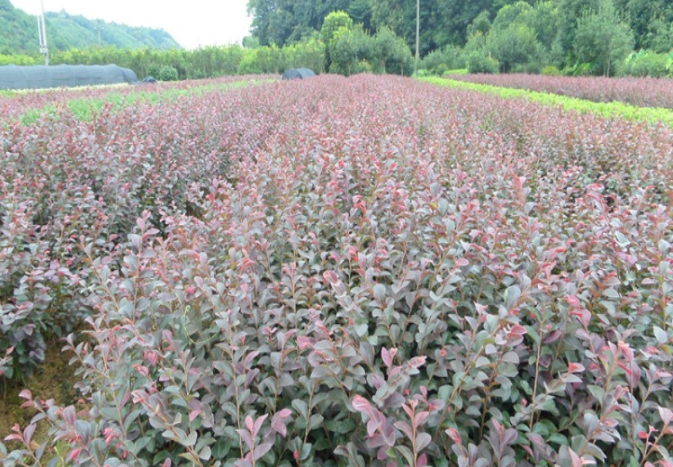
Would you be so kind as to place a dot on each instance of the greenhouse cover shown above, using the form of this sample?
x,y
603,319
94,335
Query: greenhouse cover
x,y
298,73
41,77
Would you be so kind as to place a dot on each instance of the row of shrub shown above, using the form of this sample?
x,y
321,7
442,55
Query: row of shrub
x,y
636,93
609,103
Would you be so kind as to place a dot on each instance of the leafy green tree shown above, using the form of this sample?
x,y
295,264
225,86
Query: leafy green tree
x,y
602,38
250,42
480,25
515,13
385,43
660,36
450,57
392,53
569,12
301,33
400,17
648,19
306,54
249,64
348,47
168,73
646,63
543,18
454,16
361,12
512,46
479,62
286,21
334,22
281,25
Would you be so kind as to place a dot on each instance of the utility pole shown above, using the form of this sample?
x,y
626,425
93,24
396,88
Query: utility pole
x,y
418,35
42,33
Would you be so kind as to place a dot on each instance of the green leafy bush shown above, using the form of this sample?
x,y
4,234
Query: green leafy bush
x,y
168,73
363,66
551,70
249,64
154,70
512,47
19,59
439,61
647,63
478,62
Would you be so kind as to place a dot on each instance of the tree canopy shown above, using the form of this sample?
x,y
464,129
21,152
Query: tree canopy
x,y
524,31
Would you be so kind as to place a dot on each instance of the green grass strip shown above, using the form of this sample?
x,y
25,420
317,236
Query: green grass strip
x,y
459,71
85,108
604,109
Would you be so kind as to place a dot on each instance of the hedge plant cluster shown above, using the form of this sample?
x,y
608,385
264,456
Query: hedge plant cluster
x,y
369,271
642,92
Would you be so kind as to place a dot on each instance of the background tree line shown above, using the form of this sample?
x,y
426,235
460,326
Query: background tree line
x,y
632,37
340,47
174,64
576,36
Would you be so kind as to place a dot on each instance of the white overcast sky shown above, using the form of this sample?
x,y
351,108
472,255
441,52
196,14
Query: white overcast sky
x,y
192,23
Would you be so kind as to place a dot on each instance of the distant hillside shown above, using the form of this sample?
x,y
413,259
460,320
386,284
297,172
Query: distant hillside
x,y
19,32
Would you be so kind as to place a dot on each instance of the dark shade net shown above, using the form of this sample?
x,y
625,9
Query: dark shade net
x,y
298,73
40,77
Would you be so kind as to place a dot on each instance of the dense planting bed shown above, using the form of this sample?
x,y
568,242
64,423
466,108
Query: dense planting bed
x,y
645,92
366,271
29,105
619,110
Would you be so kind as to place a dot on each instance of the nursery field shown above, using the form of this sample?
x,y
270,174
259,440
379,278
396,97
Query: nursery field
x,y
364,271
84,102
612,109
645,92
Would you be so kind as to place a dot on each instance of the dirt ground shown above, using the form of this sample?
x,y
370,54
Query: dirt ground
x,y
54,380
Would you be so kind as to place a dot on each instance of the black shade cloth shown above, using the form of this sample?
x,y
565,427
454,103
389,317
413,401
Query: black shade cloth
x,y
298,73
40,77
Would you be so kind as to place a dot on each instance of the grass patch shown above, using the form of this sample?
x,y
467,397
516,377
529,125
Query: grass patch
x,y
460,71
604,109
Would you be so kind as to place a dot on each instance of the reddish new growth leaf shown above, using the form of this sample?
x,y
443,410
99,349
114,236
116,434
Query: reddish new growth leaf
x,y
331,277
575,368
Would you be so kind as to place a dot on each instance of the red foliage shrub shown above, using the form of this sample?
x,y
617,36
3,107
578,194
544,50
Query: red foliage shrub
x,y
643,92
16,104
364,271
